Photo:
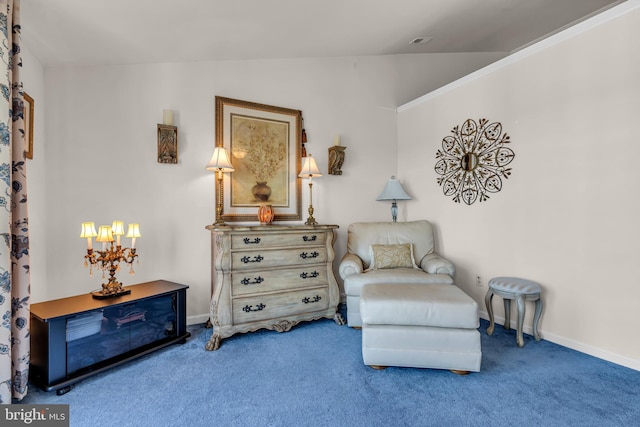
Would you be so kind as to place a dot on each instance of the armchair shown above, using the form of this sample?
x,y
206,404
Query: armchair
x,y
368,243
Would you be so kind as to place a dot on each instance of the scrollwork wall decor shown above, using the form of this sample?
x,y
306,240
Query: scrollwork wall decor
x,y
472,161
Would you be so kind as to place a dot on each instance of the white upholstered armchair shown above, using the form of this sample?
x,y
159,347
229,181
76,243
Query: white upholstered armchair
x,y
390,252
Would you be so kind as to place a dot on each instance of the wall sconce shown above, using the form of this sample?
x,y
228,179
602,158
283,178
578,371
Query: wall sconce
x,y
303,138
336,156
219,163
110,257
393,191
310,170
167,139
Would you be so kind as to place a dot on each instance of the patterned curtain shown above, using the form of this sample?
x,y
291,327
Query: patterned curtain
x,y
14,226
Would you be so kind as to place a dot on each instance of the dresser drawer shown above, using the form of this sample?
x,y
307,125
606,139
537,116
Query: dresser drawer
x,y
251,309
247,260
249,282
265,240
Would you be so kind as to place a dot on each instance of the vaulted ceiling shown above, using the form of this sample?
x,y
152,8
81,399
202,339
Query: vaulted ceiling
x,y
61,32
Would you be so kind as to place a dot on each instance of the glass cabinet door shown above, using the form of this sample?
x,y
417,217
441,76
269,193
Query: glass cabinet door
x,y
97,336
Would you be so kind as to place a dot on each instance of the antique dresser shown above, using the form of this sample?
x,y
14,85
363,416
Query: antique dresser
x,y
270,276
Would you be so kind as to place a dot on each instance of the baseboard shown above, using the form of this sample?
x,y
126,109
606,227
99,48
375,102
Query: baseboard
x,y
572,344
197,319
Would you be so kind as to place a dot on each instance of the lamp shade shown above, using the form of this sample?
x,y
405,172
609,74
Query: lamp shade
x,y
117,228
88,230
133,230
220,161
105,234
309,168
393,191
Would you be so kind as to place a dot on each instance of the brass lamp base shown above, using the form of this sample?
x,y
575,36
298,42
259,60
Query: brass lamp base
x,y
111,289
106,295
311,220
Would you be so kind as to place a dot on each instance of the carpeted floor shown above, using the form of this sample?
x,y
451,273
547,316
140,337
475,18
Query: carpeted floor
x,y
313,375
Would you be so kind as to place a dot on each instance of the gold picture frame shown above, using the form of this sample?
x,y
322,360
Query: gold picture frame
x,y
264,143
28,125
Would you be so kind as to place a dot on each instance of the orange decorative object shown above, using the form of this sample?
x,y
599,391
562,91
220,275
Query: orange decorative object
x,y
265,214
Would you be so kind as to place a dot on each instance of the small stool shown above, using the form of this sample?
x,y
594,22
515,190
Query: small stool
x,y
520,290
420,326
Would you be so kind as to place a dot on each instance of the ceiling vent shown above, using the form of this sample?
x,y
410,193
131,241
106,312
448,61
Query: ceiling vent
x,y
421,40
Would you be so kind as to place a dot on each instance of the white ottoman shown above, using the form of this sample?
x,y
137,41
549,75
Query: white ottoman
x,y
421,326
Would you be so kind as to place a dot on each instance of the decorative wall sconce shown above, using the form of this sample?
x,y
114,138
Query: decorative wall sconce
x,y
167,139
303,138
336,156
310,170
472,161
219,163
393,191
110,257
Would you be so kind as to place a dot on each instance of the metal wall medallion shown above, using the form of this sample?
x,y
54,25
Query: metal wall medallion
x,y
472,161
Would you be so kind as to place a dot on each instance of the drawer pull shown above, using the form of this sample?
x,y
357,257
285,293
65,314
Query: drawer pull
x,y
247,259
306,275
249,308
248,241
313,254
310,238
308,300
256,281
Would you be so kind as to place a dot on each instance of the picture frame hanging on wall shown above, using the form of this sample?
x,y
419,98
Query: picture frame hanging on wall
x,y
264,145
28,125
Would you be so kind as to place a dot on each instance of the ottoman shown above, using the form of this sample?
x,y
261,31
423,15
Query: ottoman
x,y
421,326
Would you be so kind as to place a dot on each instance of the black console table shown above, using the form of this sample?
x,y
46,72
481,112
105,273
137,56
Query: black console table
x,y
76,337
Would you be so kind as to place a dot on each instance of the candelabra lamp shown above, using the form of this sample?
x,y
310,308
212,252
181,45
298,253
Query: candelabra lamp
x,y
112,254
393,191
310,170
219,163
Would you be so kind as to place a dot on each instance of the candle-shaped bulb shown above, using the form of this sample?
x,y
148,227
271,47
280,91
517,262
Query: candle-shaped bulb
x,y
133,232
88,231
336,140
167,117
118,230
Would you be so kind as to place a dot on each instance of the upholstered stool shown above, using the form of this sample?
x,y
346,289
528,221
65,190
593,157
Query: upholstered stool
x,y
421,326
521,290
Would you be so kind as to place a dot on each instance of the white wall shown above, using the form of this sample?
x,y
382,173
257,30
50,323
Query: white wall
x,y
568,216
101,148
32,76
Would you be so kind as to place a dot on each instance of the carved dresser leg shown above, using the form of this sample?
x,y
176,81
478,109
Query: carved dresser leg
x,y
214,343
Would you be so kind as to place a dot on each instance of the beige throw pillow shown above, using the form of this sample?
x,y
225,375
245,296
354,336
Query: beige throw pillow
x,y
392,256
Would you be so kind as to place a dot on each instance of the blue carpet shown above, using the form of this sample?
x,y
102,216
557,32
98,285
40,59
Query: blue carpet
x,y
313,375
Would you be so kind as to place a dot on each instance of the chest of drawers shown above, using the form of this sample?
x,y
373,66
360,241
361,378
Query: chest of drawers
x,y
270,277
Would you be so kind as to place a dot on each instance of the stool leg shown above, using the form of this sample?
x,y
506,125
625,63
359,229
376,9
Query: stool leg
x,y
507,313
520,306
536,318
487,301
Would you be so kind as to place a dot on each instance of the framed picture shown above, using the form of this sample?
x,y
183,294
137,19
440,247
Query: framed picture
x,y
28,125
264,146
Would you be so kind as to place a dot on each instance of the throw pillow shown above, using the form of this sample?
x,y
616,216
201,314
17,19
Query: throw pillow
x,y
392,256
